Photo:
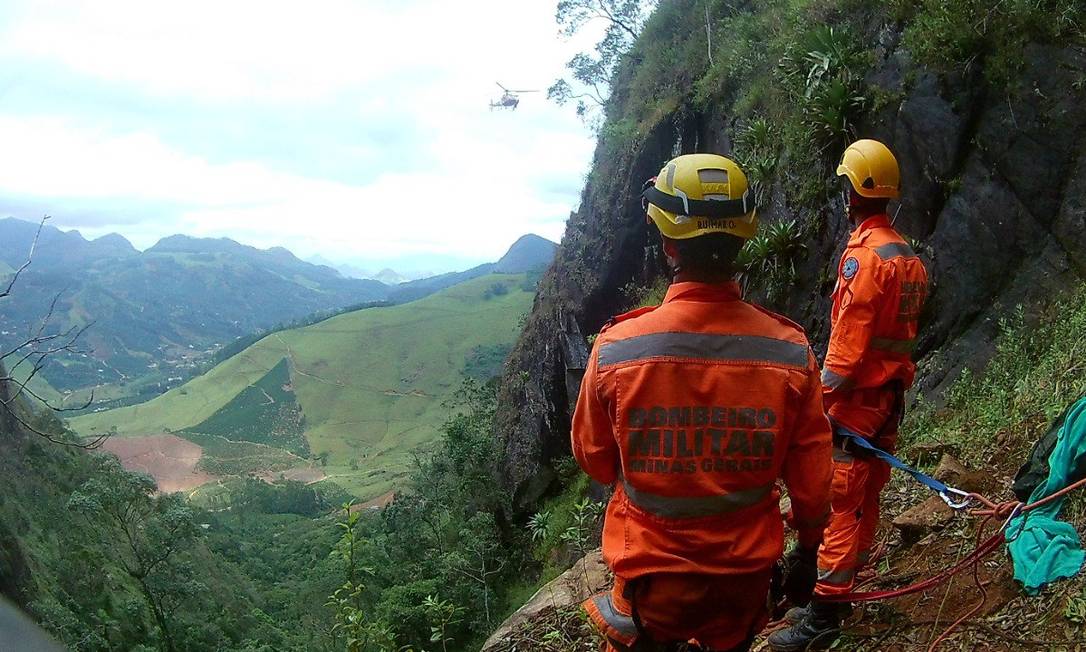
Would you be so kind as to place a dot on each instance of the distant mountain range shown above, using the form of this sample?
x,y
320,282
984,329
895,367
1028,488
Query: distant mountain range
x,y
387,275
158,314
529,253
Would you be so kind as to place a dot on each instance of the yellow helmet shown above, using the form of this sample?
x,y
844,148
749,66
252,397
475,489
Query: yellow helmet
x,y
872,169
697,194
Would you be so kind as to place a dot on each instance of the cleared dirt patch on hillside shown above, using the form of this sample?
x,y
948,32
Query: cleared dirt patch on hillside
x,y
169,459
378,503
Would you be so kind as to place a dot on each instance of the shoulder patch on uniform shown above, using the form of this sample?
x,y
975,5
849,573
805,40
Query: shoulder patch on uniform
x,y
851,266
627,316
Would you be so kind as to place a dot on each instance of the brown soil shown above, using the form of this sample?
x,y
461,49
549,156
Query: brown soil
x,y
169,459
375,503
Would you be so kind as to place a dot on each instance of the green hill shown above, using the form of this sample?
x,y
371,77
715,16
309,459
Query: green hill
x,y
366,388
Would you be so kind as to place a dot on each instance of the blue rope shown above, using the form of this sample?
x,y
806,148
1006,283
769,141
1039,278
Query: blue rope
x,y
945,492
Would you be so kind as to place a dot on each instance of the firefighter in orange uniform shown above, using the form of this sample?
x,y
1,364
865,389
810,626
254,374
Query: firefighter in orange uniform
x,y
881,288
693,410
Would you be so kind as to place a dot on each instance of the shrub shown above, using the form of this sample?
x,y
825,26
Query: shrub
x,y
955,34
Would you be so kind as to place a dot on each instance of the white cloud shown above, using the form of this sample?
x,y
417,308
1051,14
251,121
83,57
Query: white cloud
x,y
471,182
477,207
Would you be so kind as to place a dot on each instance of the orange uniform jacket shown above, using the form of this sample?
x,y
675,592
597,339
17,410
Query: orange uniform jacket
x,y
693,410
881,287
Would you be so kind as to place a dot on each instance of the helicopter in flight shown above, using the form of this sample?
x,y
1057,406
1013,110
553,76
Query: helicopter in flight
x,y
509,99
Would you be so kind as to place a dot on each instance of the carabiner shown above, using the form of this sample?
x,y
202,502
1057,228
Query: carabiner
x,y
957,492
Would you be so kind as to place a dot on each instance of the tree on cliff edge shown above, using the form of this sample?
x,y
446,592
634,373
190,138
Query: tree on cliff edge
x,y
145,533
591,71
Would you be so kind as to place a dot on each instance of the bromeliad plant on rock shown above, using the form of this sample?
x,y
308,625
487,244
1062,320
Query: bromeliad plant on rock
x,y
767,261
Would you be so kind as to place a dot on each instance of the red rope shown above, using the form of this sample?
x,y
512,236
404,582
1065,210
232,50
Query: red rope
x,y
980,585
983,550
1005,511
991,509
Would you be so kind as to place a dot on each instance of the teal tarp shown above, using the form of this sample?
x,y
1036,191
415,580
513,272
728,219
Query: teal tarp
x,y
1044,549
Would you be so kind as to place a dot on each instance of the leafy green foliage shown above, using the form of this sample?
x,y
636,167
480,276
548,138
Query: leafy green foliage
x,y
496,289
360,633
1075,610
539,525
823,70
429,569
155,528
958,34
641,296
485,361
757,150
445,614
581,534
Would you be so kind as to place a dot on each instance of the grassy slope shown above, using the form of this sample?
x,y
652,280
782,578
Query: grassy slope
x,y
371,383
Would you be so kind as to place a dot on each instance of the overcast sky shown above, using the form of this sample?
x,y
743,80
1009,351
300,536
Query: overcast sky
x,y
354,130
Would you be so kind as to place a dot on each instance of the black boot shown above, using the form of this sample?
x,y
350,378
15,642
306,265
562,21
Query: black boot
x,y
795,615
817,630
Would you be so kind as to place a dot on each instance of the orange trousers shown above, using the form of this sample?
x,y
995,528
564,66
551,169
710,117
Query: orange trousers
x,y
720,613
854,517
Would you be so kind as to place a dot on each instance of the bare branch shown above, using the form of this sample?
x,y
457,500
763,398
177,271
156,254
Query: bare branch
x,y
86,404
603,12
91,444
36,351
29,259
40,357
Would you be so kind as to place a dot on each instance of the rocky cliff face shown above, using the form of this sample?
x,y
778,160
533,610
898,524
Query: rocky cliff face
x,y
993,188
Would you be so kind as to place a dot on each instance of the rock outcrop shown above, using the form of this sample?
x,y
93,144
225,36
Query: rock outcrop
x,y
585,578
994,187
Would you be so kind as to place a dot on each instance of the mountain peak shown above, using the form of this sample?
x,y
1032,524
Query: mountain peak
x,y
115,241
179,243
389,276
528,253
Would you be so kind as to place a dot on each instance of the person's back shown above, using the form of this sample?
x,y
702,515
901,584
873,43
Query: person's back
x,y
880,292
693,410
706,397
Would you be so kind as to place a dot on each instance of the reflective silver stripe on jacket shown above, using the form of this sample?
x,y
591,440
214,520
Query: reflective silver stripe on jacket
x,y
893,346
893,249
834,380
705,346
695,506
623,624
838,577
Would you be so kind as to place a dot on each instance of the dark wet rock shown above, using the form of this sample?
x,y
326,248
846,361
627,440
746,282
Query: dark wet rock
x,y
994,188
